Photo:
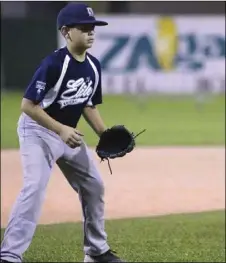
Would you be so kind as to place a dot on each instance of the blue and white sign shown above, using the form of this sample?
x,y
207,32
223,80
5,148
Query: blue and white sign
x,y
160,54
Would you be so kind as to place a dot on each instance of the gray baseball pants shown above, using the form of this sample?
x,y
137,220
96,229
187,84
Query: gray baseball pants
x,y
40,149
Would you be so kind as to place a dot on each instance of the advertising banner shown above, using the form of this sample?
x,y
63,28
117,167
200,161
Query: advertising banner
x,y
156,54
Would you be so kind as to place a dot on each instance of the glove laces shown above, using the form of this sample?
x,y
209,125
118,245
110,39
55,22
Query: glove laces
x,y
139,133
109,166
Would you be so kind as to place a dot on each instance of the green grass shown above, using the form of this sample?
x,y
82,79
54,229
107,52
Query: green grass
x,y
169,121
198,237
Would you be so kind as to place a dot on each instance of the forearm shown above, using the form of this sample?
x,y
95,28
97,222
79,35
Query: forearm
x,y
40,116
93,118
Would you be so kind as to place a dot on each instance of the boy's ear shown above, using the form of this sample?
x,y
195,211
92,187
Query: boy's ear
x,y
65,31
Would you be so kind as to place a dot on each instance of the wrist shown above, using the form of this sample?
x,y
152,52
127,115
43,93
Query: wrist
x,y
102,131
58,127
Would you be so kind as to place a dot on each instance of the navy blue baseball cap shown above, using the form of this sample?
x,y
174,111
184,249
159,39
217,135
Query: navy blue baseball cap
x,y
77,14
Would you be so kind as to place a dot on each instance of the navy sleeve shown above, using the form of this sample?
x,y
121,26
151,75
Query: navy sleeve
x,y
97,96
44,78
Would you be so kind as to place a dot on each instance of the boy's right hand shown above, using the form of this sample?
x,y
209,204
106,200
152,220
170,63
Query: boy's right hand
x,y
70,136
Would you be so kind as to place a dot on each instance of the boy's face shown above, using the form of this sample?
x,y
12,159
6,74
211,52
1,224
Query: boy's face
x,y
81,36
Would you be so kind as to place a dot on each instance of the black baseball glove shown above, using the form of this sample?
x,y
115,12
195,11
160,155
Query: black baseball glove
x,y
115,142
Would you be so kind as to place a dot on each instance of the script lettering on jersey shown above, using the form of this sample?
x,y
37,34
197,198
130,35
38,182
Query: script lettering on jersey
x,y
77,92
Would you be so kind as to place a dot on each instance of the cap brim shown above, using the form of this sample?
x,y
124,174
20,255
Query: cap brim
x,y
101,23
94,22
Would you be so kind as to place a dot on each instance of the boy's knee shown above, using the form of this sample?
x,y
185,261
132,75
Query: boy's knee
x,y
95,188
99,186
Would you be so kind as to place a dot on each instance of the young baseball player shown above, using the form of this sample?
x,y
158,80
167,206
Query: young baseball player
x,y
65,86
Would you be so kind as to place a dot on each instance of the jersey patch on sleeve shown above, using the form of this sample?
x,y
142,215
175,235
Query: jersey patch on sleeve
x,y
40,85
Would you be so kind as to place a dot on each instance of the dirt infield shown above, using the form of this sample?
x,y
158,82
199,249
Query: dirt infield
x,y
147,182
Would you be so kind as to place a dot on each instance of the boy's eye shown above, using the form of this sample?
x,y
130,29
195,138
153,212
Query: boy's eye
x,y
86,28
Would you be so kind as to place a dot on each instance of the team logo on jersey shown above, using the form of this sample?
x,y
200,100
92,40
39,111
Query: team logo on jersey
x,y
77,92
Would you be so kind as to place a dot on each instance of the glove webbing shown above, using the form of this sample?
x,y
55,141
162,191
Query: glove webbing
x,y
109,166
